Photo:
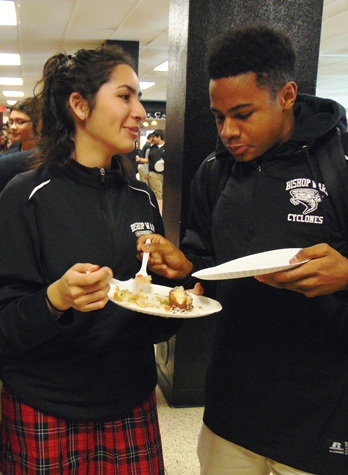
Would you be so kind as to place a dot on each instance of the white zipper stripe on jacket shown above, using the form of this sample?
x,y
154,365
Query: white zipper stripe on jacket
x,y
143,191
37,188
133,188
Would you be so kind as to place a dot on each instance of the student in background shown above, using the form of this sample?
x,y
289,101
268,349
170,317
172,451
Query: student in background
x,y
156,165
24,124
147,144
3,140
143,161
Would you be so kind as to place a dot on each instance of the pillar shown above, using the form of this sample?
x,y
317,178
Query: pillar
x,y
130,47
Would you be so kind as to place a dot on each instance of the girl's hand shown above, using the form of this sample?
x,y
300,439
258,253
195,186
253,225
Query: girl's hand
x,y
83,287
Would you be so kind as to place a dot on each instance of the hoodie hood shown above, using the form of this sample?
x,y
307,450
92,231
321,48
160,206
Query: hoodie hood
x,y
314,118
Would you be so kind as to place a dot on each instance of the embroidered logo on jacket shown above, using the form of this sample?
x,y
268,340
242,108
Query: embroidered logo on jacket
x,y
340,448
142,228
304,193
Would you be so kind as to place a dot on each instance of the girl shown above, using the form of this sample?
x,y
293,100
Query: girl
x,y
78,371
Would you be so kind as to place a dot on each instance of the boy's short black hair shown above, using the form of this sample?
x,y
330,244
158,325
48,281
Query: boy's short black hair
x,y
159,133
259,49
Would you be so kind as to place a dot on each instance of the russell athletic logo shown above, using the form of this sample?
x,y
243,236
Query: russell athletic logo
x,y
340,448
305,194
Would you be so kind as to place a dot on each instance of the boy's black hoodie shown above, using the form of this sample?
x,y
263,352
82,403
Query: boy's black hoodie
x,y
277,383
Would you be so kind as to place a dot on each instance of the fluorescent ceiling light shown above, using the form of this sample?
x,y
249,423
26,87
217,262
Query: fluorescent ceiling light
x,y
146,84
162,67
9,59
7,13
11,102
11,81
334,55
13,93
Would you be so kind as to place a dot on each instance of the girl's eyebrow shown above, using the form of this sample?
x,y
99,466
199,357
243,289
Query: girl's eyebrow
x,y
131,89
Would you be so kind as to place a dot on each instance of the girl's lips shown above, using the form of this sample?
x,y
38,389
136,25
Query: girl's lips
x,y
133,131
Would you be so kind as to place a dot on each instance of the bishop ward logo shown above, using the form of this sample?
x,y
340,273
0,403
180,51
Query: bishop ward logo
x,y
305,196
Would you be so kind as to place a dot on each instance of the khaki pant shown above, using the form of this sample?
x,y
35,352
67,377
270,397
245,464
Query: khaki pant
x,y
143,170
156,184
218,456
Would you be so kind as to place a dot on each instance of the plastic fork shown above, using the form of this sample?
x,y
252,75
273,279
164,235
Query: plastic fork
x,y
143,269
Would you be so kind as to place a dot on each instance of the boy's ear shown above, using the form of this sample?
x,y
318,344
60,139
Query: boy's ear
x,y
288,95
78,105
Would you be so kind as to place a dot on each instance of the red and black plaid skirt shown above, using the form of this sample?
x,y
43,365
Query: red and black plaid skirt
x,y
36,444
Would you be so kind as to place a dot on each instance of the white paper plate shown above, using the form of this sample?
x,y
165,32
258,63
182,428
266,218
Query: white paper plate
x,y
202,306
255,264
159,165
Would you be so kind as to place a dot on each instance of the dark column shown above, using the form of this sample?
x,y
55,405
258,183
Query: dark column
x,y
191,135
130,47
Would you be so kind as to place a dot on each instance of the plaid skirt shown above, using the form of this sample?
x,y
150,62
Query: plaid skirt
x,y
34,443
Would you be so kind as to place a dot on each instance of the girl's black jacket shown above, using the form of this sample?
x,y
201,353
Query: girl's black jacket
x,y
84,366
277,383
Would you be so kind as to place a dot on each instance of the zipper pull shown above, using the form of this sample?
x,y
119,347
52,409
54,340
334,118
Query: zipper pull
x,y
102,175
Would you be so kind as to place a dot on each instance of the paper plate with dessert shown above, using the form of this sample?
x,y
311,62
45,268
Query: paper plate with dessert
x,y
160,300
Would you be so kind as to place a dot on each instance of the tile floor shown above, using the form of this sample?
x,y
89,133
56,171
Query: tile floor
x,y
180,429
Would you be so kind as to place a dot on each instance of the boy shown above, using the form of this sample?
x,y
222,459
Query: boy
x,y
277,383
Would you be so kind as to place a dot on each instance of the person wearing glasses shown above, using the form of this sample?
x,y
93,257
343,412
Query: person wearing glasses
x,y
23,123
